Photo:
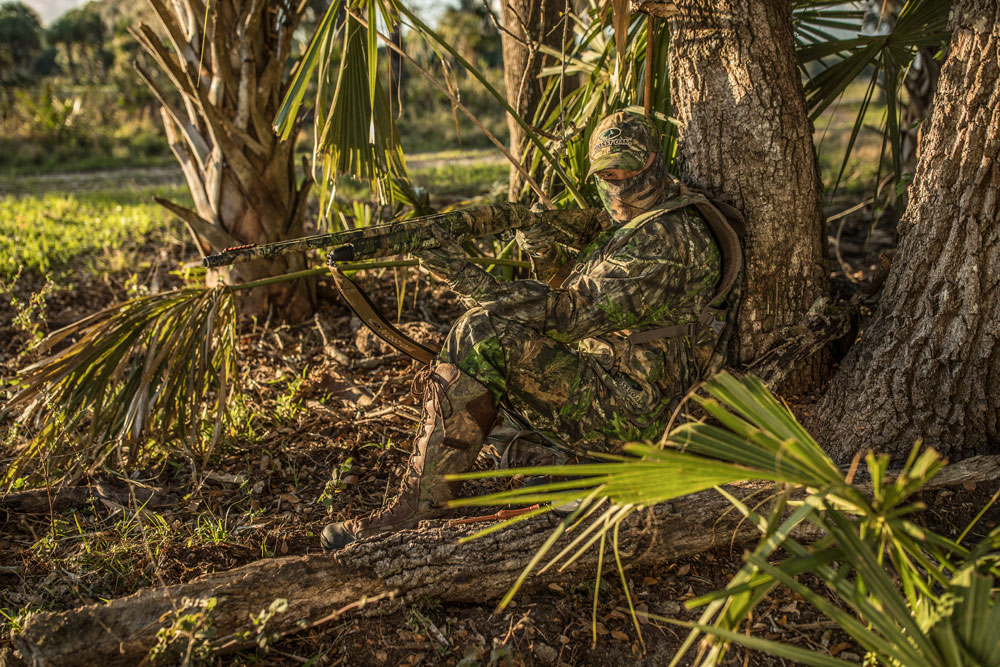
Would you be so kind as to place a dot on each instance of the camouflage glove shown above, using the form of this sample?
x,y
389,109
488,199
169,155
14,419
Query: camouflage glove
x,y
449,262
538,239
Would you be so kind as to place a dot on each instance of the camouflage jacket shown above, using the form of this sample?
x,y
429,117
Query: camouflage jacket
x,y
657,270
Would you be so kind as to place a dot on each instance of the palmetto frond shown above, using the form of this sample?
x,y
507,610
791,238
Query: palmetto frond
x,y
152,369
835,50
921,621
354,129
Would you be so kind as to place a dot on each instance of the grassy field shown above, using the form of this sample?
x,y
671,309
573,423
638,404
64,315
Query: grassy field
x,y
46,232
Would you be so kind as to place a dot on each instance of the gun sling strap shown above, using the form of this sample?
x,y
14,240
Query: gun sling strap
x,y
369,313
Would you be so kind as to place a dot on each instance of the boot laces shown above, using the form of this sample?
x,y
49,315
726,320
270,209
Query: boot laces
x,y
431,388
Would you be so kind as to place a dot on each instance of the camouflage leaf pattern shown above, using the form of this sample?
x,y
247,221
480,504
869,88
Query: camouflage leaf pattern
x,y
561,357
405,236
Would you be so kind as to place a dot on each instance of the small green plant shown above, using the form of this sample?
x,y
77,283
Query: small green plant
x,y
381,446
188,637
261,620
210,529
12,620
336,484
289,402
29,314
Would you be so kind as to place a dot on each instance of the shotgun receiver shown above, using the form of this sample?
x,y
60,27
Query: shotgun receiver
x,y
396,238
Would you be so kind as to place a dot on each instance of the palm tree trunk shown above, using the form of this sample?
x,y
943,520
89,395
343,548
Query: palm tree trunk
x,y
228,61
928,365
745,137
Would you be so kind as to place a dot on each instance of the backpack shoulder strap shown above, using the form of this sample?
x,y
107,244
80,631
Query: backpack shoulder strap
x,y
731,248
725,236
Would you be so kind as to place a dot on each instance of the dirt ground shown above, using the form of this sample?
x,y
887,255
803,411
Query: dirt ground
x,y
326,437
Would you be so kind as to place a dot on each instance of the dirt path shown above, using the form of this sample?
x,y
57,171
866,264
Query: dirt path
x,y
170,174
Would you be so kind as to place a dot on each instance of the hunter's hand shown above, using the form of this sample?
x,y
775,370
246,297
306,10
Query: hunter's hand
x,y
537,239
446,258
449,261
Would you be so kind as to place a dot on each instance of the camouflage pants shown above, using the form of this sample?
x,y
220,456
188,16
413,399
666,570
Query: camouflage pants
x,y
565,392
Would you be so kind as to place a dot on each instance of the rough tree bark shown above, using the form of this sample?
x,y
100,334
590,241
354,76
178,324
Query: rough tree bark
x,y
928,365
527,24
745,137
402,567
227,60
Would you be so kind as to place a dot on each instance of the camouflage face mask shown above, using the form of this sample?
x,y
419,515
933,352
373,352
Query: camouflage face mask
x,y
629,197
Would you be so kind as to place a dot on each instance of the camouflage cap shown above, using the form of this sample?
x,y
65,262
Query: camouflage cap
x,y
623,140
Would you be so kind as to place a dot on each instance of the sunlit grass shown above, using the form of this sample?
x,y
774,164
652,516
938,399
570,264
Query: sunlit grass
x,y
832,134
46,232
444,174
463,177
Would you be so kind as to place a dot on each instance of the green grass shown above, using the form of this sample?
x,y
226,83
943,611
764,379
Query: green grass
x,y
832,134
446,174
46,232
470,178
43,152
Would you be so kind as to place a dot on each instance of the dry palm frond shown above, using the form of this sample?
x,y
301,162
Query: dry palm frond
x,y
152,374
155,369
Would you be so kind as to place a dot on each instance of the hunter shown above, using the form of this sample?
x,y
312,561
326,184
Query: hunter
x,y
600,360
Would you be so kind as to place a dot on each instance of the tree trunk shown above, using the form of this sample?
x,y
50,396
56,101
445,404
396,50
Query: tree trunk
x,y
397,568
527,24
928,365
228,60
745,138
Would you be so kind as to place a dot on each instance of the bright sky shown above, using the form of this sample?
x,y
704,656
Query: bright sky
x,y
52,9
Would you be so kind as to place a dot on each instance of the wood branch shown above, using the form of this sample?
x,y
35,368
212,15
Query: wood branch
x,y
232,148
174,31
198,147
294,223
224,82
192,173
252,17
167,61
401,567
217,237
657,8
243,88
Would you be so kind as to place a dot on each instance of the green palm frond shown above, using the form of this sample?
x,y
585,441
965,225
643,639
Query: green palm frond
x,y
832,61
355,133
758,440
354,129
911,593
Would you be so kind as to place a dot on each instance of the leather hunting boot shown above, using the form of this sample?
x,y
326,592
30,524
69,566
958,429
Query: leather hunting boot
x,y
458,414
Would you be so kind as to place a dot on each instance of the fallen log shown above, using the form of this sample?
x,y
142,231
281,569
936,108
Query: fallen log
x,y
395,568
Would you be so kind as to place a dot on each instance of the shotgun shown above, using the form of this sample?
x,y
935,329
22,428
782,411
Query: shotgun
x,y
396,238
